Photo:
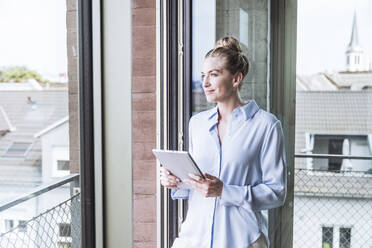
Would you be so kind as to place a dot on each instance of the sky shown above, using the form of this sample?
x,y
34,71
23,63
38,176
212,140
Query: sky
x,y
33,34
324,31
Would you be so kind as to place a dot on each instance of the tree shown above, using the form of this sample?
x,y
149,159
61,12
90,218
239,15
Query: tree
x,y
19,74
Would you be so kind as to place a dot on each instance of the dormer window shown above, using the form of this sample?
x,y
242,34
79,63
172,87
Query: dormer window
x,y
354,145
60,161
18,149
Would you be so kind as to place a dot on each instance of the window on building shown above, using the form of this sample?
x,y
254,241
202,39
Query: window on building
x,y
335,147
22,226
9,224
327,237
18,149
64,244
61,161
63,165
353,145
64,229
345,237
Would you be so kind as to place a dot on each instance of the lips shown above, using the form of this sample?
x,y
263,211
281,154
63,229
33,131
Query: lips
x,y
208,92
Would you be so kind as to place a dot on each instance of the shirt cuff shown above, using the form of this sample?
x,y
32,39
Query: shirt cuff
x,y
179,194
234,195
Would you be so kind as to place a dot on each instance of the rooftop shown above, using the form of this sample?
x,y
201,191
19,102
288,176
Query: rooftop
x,y
29,111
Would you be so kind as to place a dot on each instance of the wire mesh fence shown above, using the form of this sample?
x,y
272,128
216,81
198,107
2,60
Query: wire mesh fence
x,y
332,209
58,227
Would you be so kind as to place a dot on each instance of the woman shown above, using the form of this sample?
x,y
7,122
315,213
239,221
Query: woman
x,y
240,149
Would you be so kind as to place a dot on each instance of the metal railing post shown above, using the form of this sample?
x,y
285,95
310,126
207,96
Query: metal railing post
x,y
75,215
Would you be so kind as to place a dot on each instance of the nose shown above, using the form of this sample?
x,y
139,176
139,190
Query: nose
x,y
206,82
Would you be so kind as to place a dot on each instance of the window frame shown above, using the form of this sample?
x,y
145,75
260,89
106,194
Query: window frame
x,y
30,145
22,226
86,121
308,151
332,234
339,234
60,153
9,224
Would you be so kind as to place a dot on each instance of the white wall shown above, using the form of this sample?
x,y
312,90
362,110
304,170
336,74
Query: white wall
x,y
310,214
57,138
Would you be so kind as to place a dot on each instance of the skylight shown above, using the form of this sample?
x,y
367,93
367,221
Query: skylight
x,y
18,149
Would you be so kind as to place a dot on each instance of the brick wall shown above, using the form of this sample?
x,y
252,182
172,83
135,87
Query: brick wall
x,y
73,86
144,121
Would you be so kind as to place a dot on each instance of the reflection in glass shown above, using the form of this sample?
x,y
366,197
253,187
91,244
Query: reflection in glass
x,y
246,21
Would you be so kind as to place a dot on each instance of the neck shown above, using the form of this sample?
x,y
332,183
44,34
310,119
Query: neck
x,y
226,108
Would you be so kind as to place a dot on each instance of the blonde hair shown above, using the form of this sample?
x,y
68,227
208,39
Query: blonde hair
x,y
229,48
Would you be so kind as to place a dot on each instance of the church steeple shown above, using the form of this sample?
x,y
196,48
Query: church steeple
x,y
355,57
354,41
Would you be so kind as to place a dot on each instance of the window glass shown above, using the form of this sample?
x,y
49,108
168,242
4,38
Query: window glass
x,y
327,237
39,128
345,237
248,21
63,165
17,149
333,114
22,226
9,224
65,230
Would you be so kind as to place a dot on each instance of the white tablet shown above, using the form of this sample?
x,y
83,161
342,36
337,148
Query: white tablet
x,y
179,163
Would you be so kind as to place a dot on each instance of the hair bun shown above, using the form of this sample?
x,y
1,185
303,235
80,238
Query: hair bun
x,y
229,42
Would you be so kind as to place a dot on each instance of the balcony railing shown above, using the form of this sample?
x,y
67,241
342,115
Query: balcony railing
x,y
58,226
332,208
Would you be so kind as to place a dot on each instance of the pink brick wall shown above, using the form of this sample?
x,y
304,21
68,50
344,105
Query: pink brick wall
x,y
144,122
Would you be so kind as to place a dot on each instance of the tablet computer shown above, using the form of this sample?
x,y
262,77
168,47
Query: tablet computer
x,y
179,163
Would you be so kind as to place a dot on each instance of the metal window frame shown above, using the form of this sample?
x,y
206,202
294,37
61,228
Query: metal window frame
x,y
283,36
162,120
172,109
86,117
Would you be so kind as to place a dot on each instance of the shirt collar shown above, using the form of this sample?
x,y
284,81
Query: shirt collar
x,y
249,109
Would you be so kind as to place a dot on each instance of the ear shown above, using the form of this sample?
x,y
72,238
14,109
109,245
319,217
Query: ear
x,y
237,79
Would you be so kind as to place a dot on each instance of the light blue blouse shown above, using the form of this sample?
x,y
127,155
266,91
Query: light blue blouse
x,y
251,164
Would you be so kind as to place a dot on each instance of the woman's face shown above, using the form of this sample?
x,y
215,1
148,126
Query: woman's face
x,y
218,83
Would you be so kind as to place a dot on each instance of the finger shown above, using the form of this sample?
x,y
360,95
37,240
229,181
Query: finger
x,y
191,180
201,187
173,180
168,184
164,174
195,177
165,171
170,177
208,176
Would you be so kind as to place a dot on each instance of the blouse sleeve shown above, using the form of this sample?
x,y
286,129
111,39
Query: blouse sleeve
x,y
271,192
184,193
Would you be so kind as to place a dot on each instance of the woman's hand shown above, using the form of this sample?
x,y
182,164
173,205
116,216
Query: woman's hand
x,y
209,187
167,179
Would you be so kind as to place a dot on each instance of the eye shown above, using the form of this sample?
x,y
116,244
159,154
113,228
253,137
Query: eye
x,y
214,74
202,77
